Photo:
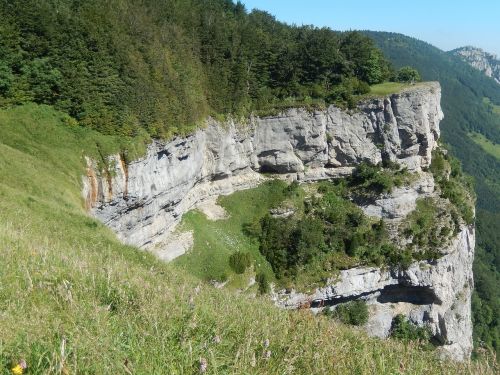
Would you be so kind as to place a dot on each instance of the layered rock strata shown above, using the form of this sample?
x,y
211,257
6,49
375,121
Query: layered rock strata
x,y
480,60
143,201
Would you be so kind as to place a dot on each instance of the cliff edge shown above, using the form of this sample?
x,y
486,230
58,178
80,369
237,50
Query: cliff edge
x,y
143,201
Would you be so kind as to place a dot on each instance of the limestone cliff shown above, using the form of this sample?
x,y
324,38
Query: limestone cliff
x,y
435,293
142,201
481,60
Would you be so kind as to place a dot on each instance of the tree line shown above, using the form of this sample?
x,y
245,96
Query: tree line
x,y
122,66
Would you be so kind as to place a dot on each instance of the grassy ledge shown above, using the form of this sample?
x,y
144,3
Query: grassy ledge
x,y
389,88
488,146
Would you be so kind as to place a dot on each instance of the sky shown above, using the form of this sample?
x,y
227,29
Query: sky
x,y
447,24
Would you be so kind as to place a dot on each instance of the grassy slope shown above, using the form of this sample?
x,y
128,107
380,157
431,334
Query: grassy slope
x,y
75,300
215,241
494,108
488,146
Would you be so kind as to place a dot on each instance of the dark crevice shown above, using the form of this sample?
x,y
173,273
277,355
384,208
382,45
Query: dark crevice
x,y
415,295
163,153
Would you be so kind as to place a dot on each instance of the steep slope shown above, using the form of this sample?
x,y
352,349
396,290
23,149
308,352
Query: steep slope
x,y
466,111
76,300
481,60
141,201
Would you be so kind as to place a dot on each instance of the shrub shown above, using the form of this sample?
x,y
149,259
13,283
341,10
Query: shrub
x,y
408,74
239,262
400,258
263,281
292,189
422,222
455,186
252,229
403,329
369,179
354,312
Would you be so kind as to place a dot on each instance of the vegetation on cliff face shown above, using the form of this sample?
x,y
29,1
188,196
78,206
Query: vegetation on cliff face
x,y
121,66
75,300
466,111
301,235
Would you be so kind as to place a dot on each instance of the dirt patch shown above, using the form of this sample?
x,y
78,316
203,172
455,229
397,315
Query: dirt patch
x,y
176,245
212,210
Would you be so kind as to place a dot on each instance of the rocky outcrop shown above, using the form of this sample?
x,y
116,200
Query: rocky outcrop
x,y
481,60
143,200
432,293
402,200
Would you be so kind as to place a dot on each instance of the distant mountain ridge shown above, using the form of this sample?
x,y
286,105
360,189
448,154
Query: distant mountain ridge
x,y
486,62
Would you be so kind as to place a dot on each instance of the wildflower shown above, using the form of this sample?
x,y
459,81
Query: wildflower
x,y
19,368
203,365
267,354
217,339
266,343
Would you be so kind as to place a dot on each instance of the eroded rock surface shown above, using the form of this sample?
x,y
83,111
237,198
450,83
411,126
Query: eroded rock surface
x,y
434,293
144,200
481,60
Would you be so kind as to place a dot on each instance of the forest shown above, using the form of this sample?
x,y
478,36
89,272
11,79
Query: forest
x,y
122,67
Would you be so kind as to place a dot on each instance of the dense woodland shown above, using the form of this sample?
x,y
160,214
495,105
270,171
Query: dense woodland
x,y
120,66
464,91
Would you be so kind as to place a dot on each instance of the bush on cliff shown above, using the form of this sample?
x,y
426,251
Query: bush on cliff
x,y
403,329
239,261
353,312
408,74
454,184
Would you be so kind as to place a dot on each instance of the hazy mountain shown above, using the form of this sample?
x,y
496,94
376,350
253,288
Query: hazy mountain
x,y
485,62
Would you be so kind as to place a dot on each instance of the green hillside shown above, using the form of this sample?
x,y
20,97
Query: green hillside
x,y
466,111
75,300
488,146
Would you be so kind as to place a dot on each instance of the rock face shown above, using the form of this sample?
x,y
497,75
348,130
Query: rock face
x,y
432,293
481,60
144,200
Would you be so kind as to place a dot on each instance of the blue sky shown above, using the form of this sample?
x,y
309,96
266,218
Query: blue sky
x,y
447,24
